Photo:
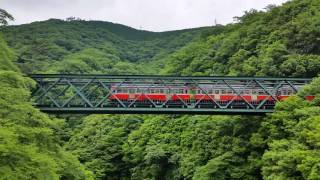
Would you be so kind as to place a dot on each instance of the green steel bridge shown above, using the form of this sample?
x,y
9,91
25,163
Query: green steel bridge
x,y
88,94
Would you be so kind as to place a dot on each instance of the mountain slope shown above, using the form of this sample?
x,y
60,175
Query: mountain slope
x,y
30,146
6,57
284,41
39,45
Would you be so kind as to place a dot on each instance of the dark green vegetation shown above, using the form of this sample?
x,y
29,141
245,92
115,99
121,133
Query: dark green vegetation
x,y
4,17
284,41
91,47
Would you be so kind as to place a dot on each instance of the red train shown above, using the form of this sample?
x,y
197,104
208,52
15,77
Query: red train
x,y
204,94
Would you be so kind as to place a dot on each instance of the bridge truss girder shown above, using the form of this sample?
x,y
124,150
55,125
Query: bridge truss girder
x,y
92,94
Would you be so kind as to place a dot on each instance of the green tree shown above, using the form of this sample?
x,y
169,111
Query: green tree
x,y
290,136
4,17
98,141
30,147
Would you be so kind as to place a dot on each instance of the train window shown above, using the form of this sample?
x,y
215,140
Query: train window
x,y
210,91
261,92
216,92
284,92
223,91
247,91
145,90
199,91
254,92
278,93
131,91
161,91
290,92
229,91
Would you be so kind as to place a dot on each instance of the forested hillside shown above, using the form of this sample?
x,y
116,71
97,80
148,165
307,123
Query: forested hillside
x,y
280,41
91,47
284,41
31,142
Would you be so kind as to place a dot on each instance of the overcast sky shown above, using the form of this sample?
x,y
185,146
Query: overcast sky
x,y
154,15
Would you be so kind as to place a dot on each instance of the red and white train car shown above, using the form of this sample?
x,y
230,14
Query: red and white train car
x,y
201,94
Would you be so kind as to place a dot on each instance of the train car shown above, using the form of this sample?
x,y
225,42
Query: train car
x,y
202,96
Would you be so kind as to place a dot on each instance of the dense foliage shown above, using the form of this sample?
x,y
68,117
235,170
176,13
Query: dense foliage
x,y
4,17
42,46
280,41
284,41
30,146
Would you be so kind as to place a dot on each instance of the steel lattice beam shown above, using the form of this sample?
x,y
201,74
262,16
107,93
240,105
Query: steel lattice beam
x,y
61,93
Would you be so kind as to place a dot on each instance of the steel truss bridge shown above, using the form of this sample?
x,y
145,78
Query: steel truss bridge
x,y
85,94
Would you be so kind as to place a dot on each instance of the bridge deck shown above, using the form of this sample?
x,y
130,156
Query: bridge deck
x,y
156,111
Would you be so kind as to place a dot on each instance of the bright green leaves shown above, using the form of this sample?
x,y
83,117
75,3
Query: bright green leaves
x,y
297,158
98,144
191,58
153,149
176,148
284,41
94,61
6,57
281,161
237,68
216,169
271,56
29,145
19,160
301,66
312,89
292,133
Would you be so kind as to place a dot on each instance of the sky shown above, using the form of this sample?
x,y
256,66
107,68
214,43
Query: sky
x,y
152,15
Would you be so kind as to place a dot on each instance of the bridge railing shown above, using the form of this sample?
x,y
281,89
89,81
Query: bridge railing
x,y
160,94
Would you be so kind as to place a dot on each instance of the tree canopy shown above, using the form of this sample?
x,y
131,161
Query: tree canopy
x,y
4,17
